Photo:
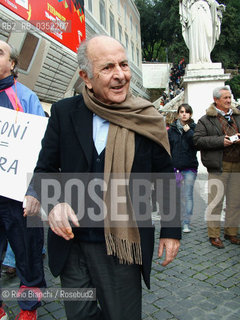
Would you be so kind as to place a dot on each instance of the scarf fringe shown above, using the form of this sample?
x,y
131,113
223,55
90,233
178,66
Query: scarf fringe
x,y
126,251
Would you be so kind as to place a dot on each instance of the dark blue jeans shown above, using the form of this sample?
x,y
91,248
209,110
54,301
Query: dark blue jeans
x,y
26,243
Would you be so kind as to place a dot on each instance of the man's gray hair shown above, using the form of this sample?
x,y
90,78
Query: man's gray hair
x,y
217,91
82,55
14,58
83,61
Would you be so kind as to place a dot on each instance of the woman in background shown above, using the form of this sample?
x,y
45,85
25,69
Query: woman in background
x,y
184,158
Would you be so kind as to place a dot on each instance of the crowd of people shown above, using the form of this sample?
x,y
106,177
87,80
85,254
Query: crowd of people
x,y
174,86
176,74
107,131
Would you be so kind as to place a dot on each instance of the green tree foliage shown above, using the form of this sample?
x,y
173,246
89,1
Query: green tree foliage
x,y
151,41
234,83
162,34
227,48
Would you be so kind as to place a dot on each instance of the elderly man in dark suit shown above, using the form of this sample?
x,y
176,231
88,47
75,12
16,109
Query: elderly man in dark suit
x,y
105,130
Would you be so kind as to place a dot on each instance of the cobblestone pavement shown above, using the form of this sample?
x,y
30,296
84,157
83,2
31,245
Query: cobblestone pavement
x,y
202,283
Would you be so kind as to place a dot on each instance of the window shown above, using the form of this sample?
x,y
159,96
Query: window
x,y
119,32
138,57
90,5
112,24
119,6
131,23
136,32
126,41
28,49
132,45
125,14
102,13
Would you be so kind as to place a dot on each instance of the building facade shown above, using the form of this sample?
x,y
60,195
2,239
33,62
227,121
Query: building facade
x,y
50,69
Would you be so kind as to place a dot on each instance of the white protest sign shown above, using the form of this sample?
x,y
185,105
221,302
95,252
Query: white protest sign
x,y
20,142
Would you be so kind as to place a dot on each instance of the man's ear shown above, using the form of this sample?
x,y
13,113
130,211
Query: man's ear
x,y
12,65
85,78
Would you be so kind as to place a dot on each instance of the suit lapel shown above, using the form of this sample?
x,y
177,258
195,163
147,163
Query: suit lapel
x,y
82,124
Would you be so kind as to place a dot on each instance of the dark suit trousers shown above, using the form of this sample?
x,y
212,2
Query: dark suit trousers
x,y
118,286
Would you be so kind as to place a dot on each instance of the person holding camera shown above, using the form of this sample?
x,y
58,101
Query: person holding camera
x,y
217,137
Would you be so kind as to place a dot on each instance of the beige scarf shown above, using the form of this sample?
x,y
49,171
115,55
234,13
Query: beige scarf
x,y
132,115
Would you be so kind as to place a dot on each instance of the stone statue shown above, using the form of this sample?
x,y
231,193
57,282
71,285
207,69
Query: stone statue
x,y
201,27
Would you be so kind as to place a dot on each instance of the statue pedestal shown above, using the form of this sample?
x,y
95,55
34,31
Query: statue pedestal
x,y
199,81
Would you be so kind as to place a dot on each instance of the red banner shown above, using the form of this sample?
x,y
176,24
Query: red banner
x,y
63,20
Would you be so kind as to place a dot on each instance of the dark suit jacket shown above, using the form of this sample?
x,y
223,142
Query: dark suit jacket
x,y
67,147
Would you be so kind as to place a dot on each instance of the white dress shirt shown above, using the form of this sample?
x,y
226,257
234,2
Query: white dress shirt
x,y
100,132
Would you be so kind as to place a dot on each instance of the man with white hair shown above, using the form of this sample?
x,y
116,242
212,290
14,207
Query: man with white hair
x,y
217,137
105,130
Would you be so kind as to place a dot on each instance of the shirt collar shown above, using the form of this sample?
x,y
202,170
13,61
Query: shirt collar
x,y
229,113
99,118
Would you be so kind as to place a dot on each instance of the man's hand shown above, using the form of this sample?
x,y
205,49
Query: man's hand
x,y
59,218
171,246
31,206
227,142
